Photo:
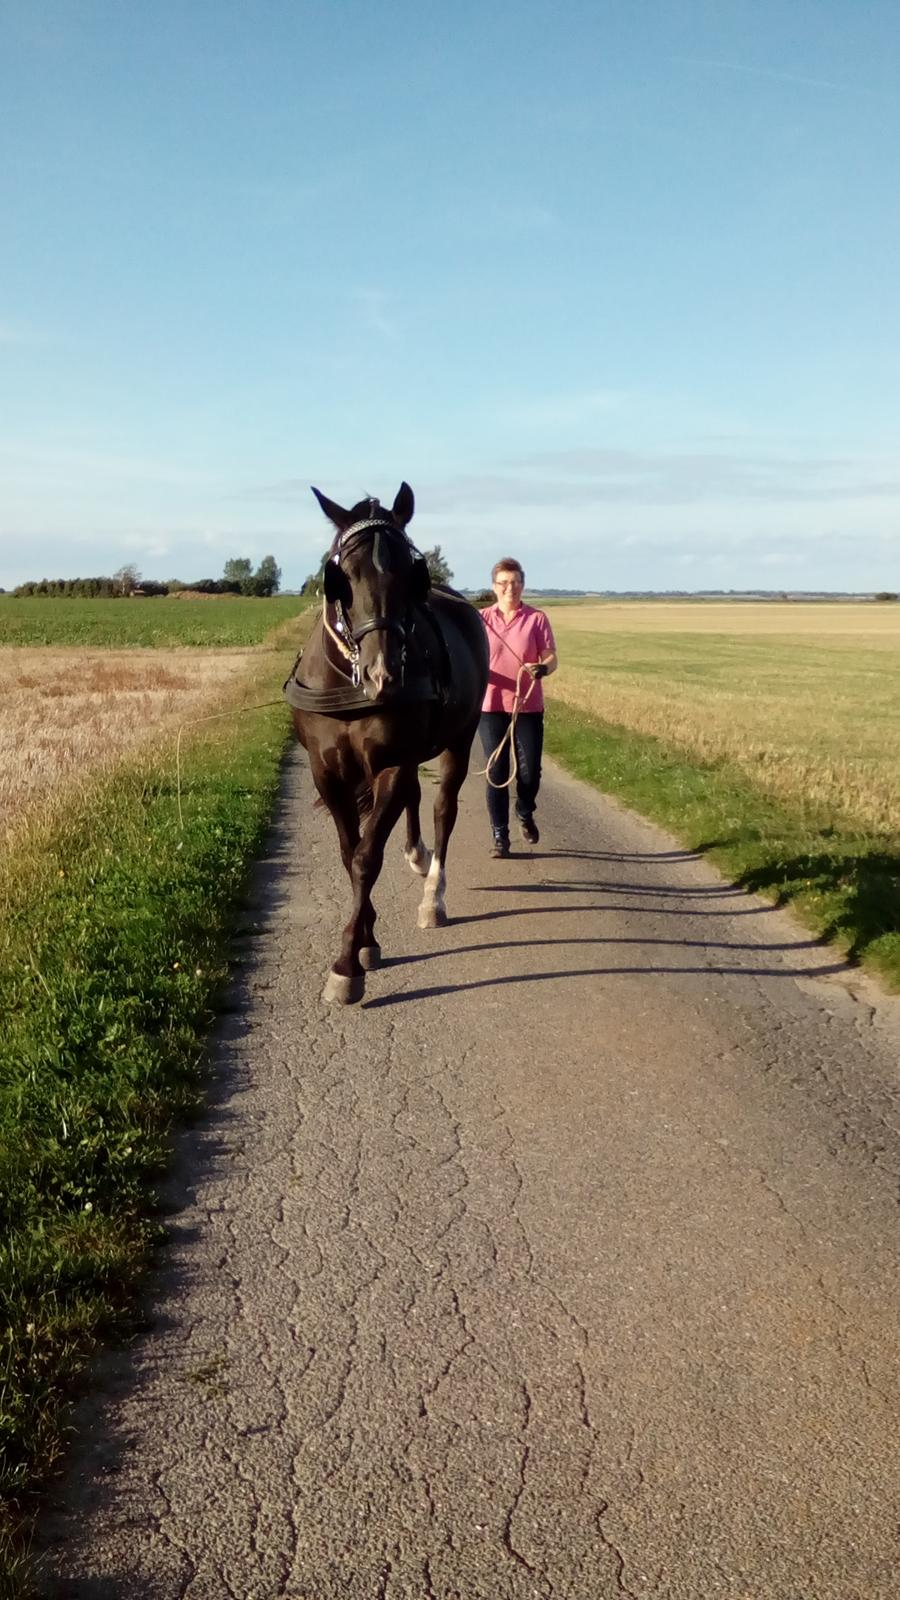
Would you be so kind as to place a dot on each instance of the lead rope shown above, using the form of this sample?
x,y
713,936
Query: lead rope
x,y
192,722
264,705
510,734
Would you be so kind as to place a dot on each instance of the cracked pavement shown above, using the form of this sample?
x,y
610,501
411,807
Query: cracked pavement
x,y
565,1266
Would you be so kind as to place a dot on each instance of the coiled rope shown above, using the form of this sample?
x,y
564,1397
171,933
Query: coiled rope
x,y
510,735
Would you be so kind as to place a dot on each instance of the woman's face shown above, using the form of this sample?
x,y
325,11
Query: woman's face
x,y
508,587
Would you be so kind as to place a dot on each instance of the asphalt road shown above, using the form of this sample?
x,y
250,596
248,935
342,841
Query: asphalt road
x,y
565,1266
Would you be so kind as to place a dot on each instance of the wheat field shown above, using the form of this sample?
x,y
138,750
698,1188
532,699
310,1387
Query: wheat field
x,y
803,699
67,716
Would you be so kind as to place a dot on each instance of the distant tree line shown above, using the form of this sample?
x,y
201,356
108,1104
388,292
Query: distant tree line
x,y
238,577
437,566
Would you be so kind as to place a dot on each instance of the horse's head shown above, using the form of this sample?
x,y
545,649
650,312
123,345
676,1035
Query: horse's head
x,y
373,578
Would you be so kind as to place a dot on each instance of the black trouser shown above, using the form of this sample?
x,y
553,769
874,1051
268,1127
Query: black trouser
x,y
529,744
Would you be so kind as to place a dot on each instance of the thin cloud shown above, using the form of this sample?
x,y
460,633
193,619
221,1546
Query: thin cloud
x,y
562,410
283,491
373,306
527,218
71,461
584,478
19,333
772,73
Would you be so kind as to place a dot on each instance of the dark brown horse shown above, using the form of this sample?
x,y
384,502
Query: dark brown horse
x,y
394,674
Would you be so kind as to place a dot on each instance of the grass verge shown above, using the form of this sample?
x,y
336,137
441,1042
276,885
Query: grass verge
x,y
112,949
843,882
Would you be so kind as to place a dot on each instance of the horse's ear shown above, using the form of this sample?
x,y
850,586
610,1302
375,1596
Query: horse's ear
x,y
419,580
336,584
333,511
404,505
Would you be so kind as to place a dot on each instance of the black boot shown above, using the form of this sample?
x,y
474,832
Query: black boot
x,y
500,844
529,830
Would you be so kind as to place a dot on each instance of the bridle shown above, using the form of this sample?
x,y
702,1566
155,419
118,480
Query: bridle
x,y
346,637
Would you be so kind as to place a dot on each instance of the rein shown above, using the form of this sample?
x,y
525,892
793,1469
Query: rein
x,y
349,699
347,638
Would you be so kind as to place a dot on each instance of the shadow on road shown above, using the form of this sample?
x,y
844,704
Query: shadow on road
x,y
603,972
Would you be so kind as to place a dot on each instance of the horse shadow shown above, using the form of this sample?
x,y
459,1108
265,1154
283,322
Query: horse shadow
x,y
864,883
573,896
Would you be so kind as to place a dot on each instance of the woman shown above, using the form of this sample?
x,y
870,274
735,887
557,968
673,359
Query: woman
x,y
518,637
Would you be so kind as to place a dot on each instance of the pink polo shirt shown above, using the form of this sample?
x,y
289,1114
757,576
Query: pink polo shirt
x,y
525,637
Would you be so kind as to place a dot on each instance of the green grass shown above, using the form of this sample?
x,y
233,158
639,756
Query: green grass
x,y
161,623
843,882
112,952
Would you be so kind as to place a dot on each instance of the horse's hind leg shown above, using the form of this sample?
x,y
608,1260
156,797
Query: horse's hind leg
x,y
417,853
454,765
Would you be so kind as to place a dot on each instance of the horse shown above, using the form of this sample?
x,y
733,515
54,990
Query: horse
x,y
393,674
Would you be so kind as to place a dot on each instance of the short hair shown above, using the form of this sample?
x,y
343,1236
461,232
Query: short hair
x,y
507,564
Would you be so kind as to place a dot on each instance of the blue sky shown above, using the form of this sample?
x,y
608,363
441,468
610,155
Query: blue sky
x,y
613,285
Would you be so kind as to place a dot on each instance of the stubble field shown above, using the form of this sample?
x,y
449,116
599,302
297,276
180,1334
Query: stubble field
x,y
805,699
767,735
68,717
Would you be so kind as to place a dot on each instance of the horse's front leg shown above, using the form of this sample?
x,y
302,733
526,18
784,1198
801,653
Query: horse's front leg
x,y
452,772
340,799
346,981
417,853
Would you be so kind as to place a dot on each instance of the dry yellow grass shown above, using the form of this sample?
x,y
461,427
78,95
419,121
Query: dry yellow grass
x,y
804,699
68,716
848,621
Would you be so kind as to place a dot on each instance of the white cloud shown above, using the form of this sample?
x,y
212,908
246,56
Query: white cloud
x,y
19,333
571,410
374,307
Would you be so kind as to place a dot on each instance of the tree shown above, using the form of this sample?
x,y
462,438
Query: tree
x,y
313,584
239,574
438,565
266,579
237,570
127,578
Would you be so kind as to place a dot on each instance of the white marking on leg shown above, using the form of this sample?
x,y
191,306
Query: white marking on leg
x,y
432,911
419,858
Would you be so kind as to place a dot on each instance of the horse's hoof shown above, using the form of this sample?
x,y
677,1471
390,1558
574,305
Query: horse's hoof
x,y
419,861
343,991
370,957
432,917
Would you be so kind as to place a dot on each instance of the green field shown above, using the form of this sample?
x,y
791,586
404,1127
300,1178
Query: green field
x,y
163,623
